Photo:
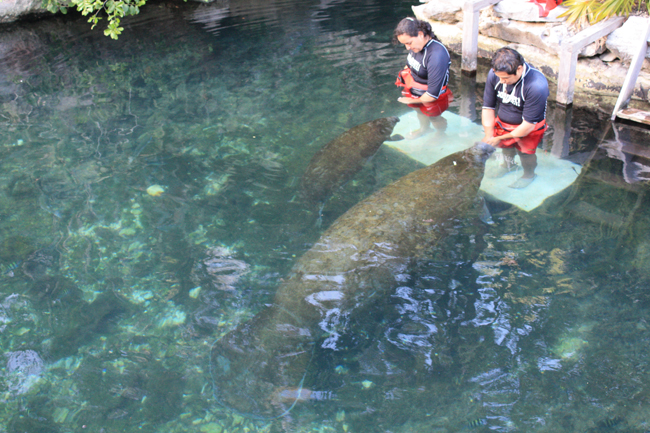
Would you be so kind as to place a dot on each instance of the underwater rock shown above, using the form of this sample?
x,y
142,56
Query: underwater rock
x,y
25,422
22,188
124,392
15,248
55,289
40,263
23,369
338,161
219,269
155,190
83,322
353,265
164,389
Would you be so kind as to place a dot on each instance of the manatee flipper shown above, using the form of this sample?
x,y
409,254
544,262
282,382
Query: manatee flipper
x,y
484,213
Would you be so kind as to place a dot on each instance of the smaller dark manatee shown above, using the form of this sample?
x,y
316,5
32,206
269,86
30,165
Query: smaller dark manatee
x,y
340,159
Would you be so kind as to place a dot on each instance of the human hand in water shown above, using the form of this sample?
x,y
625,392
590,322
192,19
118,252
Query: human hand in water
x,y
405,100
492,141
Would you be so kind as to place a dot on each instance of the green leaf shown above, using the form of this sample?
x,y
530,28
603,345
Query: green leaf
x,y
113,10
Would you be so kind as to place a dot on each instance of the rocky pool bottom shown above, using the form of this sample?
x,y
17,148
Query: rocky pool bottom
x,y
149,203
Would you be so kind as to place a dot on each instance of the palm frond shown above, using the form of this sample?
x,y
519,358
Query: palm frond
x,y
578,10
592,11
610,8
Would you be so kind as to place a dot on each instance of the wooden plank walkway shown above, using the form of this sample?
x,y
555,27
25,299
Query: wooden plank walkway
x,y
633,115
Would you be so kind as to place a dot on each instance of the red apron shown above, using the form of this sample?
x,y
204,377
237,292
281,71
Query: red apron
x,y
431,109
527,144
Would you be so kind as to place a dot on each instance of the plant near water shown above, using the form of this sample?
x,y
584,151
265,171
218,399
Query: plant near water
x,y
582,12
114,10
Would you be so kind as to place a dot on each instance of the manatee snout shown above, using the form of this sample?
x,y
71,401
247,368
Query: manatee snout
x,y
481,151
387,124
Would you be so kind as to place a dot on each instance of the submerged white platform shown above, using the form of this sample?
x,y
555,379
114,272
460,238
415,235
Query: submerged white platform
x,y
553,174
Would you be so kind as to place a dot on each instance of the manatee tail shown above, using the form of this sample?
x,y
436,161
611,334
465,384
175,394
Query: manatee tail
x,y
251,365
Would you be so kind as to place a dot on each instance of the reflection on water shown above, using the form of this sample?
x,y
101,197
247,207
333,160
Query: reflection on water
x,y
114,300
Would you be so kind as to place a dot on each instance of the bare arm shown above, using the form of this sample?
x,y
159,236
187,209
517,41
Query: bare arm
x,y
421,100
520,131
487,119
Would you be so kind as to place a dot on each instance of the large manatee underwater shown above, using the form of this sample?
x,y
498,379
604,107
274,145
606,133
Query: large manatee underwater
x,y
337,162
354,264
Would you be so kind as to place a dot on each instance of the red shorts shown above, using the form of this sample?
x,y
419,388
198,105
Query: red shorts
x,y
527,144
433,108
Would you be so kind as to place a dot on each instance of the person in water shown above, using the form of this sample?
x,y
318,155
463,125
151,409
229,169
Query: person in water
x,y
518,124
426,75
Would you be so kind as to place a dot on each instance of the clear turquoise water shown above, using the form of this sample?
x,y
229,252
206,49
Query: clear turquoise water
x,y
112,298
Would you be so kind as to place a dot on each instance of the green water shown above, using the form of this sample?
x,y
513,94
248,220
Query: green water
x,y
111,298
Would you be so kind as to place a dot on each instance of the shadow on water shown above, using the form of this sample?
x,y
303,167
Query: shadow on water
x,y
213,302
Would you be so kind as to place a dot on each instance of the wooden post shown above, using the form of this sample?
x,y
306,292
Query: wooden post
x,y
633,72
566,77
471,14
569,56
561,132
470,37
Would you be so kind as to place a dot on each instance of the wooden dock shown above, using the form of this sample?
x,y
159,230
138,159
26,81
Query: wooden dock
x,y
633,115
569,56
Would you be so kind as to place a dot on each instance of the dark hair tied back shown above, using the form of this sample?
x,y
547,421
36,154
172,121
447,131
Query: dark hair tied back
x,y
411,27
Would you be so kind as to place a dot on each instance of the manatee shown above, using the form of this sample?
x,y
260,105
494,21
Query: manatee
x,y
356,262
337,162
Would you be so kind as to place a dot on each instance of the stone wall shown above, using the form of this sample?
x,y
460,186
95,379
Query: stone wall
x,y
602,65
12,10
